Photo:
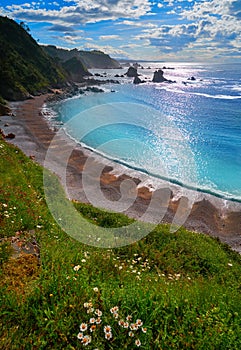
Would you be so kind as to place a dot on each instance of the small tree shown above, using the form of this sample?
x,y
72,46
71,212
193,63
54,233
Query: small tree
x,y
24,26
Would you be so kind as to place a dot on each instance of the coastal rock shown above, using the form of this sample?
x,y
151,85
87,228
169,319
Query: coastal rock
x,y
137,80
10,136
4,109
158,76
192,79
132,72
93,89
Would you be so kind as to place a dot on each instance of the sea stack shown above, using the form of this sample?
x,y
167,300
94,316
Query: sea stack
x,y
132,72
137,80
158,76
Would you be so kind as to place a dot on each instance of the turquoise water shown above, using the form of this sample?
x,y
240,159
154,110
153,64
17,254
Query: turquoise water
x,y
189,133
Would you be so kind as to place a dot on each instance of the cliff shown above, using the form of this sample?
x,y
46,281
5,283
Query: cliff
x,y
26,69
90,59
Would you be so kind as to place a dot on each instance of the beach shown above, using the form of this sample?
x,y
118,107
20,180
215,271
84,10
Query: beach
x,y
33,135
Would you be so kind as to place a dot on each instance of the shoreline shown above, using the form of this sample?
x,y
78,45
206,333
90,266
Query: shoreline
x,y
33,135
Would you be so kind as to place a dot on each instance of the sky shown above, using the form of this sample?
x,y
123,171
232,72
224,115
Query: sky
x,y
167,30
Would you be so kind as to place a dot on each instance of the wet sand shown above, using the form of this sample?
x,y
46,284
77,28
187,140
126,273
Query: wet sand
x,y
33,135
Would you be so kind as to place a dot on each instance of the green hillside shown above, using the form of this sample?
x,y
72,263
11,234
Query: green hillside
x,y
76,69
91,59
25,66
178,290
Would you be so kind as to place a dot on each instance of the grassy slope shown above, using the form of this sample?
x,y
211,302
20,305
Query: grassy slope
x,y
185,287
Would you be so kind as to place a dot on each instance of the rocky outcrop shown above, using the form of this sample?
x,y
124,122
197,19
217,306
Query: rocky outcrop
x,y
76,70
137,80
93,89
4,109
131,73
158,76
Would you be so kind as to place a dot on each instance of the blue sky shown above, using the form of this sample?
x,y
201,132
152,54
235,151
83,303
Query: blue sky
x,y
170,30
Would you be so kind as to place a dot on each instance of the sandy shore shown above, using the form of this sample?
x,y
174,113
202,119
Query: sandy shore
x,y
207,214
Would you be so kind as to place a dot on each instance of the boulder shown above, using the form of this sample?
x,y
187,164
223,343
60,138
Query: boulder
x,y
132,72
94,89
137,80
158,76
10,136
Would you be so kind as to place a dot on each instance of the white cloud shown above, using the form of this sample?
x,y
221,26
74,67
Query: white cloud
x,y
110,50
83,11
109,37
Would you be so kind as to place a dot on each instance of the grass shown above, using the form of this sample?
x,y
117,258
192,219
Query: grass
x,y
178,290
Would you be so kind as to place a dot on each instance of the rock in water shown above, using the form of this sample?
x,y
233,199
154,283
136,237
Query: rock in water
x,y
137,80
132,72
158,76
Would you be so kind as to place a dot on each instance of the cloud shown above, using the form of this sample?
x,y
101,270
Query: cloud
x,y
109,37
60,28
171,38
82,11
139,24
214,22
110,50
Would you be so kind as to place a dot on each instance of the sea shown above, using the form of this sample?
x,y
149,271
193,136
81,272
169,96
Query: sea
x,y
187,132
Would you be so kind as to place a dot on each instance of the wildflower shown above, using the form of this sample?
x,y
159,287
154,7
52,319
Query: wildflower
x,y
108,335
77,267
144,329
86,340
229,264
137,342
86,305
98,312
83,327
92,320
5,205
133,326
116,315
98,320
80,336
114,309
128,317
83,260
139,323
107,329
95,289
131,334
121,323
93,328
126,324
90,310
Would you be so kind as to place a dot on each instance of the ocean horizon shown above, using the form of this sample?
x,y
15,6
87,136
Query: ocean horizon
x,y
186,132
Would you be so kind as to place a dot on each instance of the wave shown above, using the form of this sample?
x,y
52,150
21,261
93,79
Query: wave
x,y
179,91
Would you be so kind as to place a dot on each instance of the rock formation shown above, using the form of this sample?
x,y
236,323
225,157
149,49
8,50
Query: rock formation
x,y
137,80
158,76
132,72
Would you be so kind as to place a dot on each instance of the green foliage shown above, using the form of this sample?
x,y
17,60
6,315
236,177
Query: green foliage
x,y
184,287
89,59
25,67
